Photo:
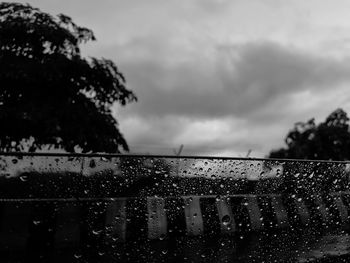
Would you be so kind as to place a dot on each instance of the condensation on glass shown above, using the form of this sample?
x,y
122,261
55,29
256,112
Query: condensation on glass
x,y
156,208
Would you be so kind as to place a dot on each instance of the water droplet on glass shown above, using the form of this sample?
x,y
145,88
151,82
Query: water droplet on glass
x,y
92,164
36,222
77,256
96,232
23,178
226,220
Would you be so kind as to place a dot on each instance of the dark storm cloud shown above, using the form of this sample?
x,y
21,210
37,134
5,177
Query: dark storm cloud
x,y
239,80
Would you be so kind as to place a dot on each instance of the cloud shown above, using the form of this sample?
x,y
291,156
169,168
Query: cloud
x,y
226,136
219,76
239,97
238,81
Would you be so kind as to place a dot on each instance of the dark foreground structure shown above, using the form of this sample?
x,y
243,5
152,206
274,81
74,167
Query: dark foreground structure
x,y
123,208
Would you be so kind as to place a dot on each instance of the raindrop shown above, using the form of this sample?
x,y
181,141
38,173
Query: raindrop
x,y
226,219
36,222
77,256
23,178
96,232
92,164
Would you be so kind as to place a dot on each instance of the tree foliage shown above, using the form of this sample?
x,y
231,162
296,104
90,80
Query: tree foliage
x,y
49,93
329,140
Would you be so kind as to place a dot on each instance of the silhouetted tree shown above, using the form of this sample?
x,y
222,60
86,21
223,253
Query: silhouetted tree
x,y
50,94
330,140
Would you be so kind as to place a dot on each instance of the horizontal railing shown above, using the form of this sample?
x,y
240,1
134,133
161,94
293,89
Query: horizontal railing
x,y
69,199
97,176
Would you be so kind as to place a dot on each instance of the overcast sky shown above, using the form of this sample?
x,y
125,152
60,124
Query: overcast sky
x,y
219,76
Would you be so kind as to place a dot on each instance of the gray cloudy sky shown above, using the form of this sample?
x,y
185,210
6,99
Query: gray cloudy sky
x,y
220,76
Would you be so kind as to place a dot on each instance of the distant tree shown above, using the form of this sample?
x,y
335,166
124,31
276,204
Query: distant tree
x,y
49,94
330,140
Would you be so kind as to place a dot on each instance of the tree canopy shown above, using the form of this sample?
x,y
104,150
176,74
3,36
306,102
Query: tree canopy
x,y
329,140
50,94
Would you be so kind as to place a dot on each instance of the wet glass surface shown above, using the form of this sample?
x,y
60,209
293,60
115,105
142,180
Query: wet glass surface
x,y
165,209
